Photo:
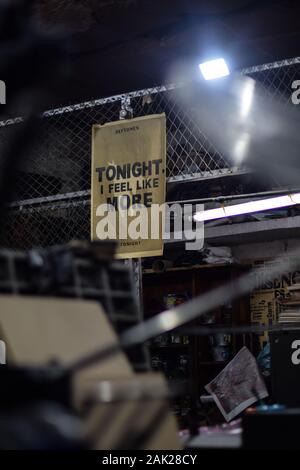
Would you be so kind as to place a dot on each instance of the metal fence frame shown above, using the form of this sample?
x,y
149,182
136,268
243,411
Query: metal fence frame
x,y
82,198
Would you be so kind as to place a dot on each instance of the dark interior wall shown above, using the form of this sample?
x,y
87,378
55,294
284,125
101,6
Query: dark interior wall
x,y
114,46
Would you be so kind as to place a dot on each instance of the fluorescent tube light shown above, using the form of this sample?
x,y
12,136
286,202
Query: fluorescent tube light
x,y
248,207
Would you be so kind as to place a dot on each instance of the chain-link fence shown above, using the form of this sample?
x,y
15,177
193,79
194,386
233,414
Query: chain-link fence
x,y
52,189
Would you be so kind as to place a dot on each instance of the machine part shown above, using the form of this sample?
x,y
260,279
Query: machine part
x,y
126,111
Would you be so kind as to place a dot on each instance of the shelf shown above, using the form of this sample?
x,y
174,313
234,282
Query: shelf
x,y
194,280
169,346
153,314
213,363
189,268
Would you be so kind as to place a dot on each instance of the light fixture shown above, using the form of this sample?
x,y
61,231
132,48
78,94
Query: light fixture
x,y
248,207
214,69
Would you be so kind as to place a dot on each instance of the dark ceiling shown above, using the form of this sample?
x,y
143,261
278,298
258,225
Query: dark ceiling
x,y
122,45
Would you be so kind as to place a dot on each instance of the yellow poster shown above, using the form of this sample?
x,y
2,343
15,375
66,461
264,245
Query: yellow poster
x,y
264,311
129,185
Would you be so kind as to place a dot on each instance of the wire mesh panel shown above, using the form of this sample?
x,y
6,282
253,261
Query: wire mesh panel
x,y
52,188
60,162
277,79
47,225
189,152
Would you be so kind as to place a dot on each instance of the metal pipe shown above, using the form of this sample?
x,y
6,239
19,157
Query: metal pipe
x,y
233,197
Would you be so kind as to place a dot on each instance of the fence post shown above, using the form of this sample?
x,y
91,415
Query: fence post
x,y
126,112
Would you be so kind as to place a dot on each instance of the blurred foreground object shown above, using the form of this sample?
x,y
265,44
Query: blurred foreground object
x,y
271,429
41,426
285,360
46,330
81,270
23,46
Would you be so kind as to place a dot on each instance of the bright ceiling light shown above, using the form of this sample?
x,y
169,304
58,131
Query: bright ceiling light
x,y
214,69
211,214
248,207
295,198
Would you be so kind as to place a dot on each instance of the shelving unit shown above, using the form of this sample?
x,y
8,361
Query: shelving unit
x,y
192,281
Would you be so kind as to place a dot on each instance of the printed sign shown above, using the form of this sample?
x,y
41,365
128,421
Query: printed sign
x,y
128,182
